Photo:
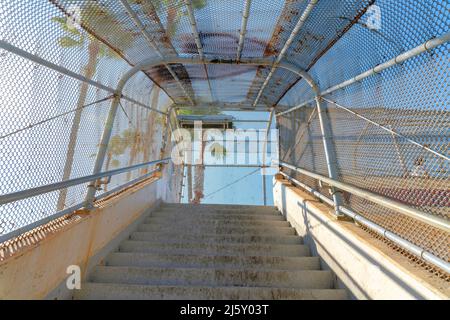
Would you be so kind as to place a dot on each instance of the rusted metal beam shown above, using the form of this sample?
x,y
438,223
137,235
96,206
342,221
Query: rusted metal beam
x,y
338,36
106,43
149,38
295,31
198,42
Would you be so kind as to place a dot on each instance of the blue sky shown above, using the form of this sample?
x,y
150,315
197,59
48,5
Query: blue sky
x,y
248,190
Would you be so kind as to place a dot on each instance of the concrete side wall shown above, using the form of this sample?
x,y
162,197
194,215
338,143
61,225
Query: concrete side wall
x,y
361,263
38,271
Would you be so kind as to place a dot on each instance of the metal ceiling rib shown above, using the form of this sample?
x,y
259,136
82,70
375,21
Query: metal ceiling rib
x,y
198,42
301,21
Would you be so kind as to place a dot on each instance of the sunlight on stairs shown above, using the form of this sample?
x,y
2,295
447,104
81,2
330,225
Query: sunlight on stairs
x,y
211,252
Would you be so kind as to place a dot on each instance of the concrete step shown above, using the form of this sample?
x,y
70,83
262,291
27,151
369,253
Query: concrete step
x,y
186,220
212,207
215,249
199,229
220,211
213,238
224,216
311,279
103,291
134,259
211,252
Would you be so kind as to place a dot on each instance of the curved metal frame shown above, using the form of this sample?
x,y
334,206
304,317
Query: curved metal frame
x,y
147,64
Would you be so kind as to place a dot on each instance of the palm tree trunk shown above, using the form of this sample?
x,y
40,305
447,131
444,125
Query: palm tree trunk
x,y
199,178
134,150
108,164
151,126
89,71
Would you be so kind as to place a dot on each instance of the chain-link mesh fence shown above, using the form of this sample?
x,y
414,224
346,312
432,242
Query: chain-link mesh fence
x,y
51,124
391,130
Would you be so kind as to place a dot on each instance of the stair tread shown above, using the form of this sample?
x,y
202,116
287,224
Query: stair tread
x,y
215,245
220,211
127,291
211,252
225,238
206,215
219,230
185,206
232,249
214,222
212,261
319,279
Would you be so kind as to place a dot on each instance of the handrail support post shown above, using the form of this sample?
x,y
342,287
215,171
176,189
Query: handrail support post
x,y
103,147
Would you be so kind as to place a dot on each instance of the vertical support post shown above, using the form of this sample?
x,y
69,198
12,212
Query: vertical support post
x,y
189,182
182,184
330,155
269,124
106,136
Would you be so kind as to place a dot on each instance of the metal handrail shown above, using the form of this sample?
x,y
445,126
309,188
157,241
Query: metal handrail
x,y
403,243
28,193
17,232
429,219
414,52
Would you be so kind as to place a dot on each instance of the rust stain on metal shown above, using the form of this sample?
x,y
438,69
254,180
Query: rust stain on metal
x,y
289,12
339,35
164,39
91,32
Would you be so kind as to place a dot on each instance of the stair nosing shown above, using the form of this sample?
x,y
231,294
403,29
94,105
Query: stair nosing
x,y
249,270
337,290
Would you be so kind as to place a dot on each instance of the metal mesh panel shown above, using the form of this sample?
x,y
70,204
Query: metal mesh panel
x,y
326,24
35,136
390,130
301,144
50,123
137,134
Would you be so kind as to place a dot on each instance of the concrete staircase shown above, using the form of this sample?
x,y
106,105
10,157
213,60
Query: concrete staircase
x,y
211,252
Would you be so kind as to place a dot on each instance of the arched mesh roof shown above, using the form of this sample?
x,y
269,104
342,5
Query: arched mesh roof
x,y
218,23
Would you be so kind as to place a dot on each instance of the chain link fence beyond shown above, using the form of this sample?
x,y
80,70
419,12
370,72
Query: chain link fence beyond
x,y
391,130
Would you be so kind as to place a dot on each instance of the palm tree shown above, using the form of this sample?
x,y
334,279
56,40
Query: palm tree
x,y
151,122
174,13
217,151
93,14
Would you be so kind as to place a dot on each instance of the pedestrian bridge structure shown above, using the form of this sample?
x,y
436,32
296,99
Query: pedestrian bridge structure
x,y
131,133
